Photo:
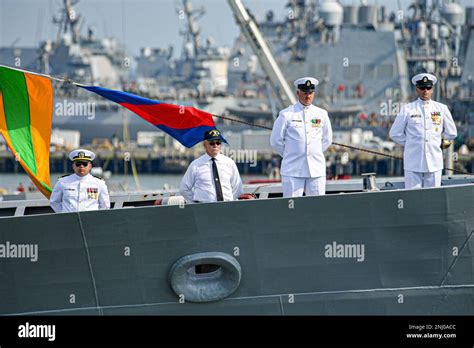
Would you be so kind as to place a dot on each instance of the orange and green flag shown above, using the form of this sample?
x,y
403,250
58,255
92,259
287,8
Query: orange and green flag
x,y
26,113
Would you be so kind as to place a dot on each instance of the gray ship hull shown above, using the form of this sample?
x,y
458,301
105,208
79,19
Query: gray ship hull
x,y
417,260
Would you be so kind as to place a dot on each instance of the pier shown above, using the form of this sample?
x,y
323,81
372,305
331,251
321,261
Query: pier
x,y
257,162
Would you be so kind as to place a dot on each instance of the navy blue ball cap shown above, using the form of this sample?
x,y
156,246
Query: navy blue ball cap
x,y
213,134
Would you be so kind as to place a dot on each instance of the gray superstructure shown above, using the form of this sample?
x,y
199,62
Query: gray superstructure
x,y
200,72
81,58
193,80
321,41
364,57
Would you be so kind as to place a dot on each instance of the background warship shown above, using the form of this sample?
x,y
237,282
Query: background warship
x,y
363,89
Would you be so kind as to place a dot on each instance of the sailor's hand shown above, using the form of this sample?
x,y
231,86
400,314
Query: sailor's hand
x,y
445,144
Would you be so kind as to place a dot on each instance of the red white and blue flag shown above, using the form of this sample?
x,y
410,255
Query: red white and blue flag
x,y
184,123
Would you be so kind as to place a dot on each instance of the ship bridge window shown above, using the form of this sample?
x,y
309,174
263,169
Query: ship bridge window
x,y
352,72
392,93
385,72
470,118
323,70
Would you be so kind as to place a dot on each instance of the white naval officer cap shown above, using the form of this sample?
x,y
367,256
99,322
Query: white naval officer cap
x,y
81,155
424,80
306,83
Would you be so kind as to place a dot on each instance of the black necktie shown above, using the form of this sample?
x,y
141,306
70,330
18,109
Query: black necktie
x,y
219,195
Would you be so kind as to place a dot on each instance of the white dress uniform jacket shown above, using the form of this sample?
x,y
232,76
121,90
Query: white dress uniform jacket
x,y
198,182
74,193
300,135
419,127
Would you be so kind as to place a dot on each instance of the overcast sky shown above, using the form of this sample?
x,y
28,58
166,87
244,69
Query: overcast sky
x,y
136,23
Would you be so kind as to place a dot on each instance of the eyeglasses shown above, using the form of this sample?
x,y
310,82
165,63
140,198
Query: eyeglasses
x,y
425,88
80,163
212,143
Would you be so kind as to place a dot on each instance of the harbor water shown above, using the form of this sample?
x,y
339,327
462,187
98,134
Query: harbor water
x,y
116,183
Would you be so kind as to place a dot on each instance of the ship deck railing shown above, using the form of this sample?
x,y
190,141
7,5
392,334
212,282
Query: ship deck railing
x,y
24,207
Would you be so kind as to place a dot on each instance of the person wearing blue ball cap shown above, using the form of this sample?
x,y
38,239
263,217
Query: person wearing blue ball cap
x,y
212,177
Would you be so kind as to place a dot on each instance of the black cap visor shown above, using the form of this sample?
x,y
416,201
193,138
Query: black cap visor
x,y
305,88
215,138
425,84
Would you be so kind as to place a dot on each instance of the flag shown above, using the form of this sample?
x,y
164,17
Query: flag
x,y
26,113
184,123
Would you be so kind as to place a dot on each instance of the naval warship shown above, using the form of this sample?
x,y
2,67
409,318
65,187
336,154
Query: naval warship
x,y
81,57
364,91
198,78
363,249
364,57
367,247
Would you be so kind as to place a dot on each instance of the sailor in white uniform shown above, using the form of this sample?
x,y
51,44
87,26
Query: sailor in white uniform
x,y
80,191
424,127
213,176
301,134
